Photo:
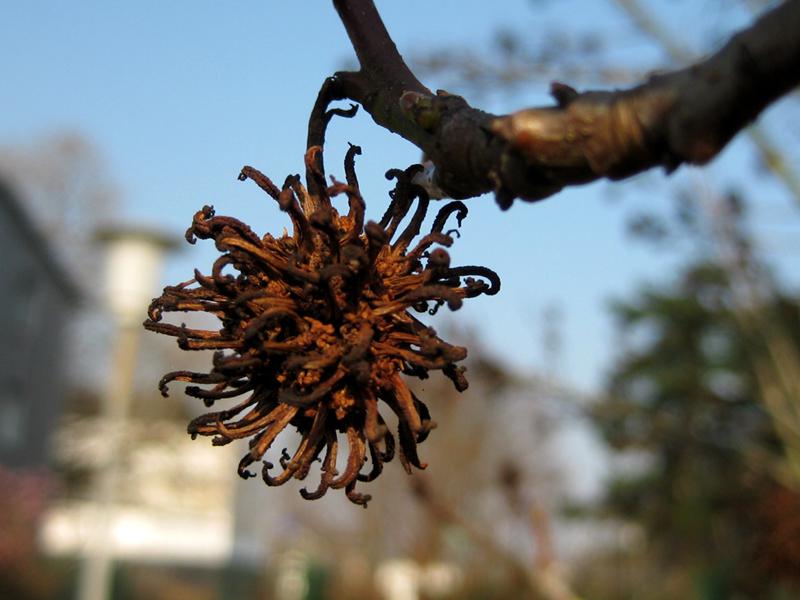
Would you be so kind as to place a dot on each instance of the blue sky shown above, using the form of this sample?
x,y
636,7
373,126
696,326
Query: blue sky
x,y
179,95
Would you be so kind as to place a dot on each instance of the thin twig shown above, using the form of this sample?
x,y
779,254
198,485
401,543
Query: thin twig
x,y
542,580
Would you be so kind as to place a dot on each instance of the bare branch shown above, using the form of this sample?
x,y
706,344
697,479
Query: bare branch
x,y
684,116
770,154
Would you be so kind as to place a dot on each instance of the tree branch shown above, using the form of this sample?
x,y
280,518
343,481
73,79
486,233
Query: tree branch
x,y
683,116
770,154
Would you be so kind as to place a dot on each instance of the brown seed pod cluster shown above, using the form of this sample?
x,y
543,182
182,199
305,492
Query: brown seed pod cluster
x,y
318,327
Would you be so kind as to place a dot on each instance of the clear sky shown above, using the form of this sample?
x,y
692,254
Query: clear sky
x,y
179,95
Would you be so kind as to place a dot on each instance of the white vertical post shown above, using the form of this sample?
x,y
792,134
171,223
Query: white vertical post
x,y
133,264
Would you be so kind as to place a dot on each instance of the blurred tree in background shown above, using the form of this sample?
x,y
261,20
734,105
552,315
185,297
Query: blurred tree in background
x,y
686,403
703,404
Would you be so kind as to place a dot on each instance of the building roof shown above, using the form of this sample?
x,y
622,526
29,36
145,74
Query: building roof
x,y
12,212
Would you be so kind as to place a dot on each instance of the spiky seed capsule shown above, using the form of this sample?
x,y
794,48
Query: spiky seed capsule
x,y
316,328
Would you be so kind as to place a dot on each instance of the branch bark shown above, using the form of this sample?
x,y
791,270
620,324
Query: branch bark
x,y
686,116
771,155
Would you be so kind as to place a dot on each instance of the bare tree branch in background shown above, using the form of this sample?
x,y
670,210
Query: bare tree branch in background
x,y
777,366
543,580
687,115
514,62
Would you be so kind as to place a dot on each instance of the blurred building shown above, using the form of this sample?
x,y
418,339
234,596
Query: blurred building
x,y
37,298
174,499
123,453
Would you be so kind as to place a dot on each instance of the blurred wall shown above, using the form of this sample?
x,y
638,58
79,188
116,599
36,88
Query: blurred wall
x,y
35,302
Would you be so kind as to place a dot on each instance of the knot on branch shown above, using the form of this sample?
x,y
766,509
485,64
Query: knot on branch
x,y
589,135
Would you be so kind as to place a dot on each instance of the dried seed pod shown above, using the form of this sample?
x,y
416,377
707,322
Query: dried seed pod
x,y
317,329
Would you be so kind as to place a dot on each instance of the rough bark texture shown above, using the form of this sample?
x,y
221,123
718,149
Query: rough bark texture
x,y
683,116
